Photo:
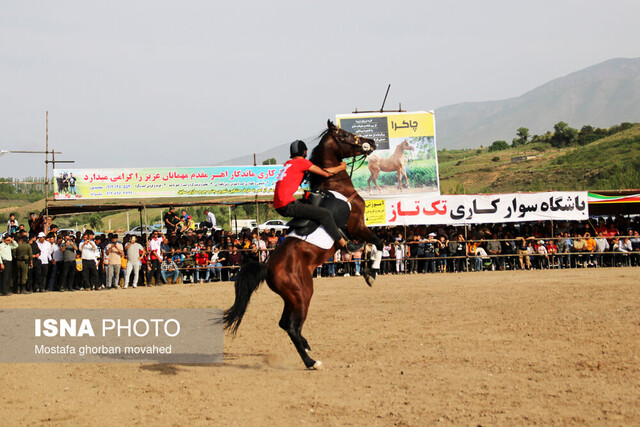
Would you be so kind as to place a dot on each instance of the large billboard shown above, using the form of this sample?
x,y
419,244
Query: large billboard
x,y
405,161
477,209
127,183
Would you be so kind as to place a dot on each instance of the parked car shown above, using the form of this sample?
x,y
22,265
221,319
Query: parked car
x,y
159,226
140,230
241,224
67,231
277,224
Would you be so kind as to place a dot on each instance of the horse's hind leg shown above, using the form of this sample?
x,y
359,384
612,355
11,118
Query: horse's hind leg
x,y
285,322
295,333
293,317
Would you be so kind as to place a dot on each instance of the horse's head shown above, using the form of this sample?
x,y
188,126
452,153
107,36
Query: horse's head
x,y
406,146
350,145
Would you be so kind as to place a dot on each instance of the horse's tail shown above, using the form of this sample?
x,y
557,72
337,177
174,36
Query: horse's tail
x,y
247,281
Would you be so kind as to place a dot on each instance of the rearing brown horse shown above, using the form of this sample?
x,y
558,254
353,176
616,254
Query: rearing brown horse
x,y
289,269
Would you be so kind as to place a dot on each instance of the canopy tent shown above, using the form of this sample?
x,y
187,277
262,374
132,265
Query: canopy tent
x,y
614,202
73,207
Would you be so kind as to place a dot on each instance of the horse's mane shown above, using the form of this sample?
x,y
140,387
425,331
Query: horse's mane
x,y
316,150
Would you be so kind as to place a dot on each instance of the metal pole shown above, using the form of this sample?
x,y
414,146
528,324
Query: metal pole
x,y
255,163
46,173
404,231
385,98
235,218
142,229
466,249
53,164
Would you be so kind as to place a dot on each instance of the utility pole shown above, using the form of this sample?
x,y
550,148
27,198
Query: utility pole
x,y
46,173
46,163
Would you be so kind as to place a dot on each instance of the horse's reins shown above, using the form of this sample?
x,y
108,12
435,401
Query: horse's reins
x,y
354,158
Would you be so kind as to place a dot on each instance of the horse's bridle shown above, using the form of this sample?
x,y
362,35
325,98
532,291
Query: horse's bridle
x,y
365,149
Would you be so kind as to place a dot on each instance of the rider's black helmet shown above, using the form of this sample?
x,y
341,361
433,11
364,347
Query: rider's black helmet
x,y
298,148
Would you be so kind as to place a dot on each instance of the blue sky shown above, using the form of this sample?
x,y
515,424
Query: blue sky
x,y
158,83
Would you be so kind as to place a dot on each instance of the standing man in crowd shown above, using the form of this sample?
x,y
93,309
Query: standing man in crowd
x,y
494,249
12,224
46,253
24,256
171,220
68,248
32,222
234,260
155,253
36,265
90,253
134,252
431,244
6,263
114,252
55,266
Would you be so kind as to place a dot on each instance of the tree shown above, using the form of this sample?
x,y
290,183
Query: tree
x,y
587,135
563,135
270,161
498,146
95,221
522,137
619,128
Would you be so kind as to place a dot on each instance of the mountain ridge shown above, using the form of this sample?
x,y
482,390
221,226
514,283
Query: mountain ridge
x,y
601,95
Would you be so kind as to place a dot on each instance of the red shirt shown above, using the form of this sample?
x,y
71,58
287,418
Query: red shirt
x,y
202,258
289,180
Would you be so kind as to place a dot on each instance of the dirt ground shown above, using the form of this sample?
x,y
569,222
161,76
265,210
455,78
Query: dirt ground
x,y
492,348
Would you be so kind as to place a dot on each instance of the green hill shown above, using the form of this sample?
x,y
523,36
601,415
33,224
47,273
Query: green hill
x,y
608,164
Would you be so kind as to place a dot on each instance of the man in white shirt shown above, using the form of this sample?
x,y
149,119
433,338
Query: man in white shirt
x,y
89,250
55,266
46,253
6,263
602,245
133,250
210,221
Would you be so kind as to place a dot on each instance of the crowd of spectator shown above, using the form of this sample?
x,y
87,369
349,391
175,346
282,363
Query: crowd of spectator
x,y
48,260
602,242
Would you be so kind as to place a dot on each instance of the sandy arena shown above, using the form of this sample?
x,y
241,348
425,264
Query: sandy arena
x,y
493,348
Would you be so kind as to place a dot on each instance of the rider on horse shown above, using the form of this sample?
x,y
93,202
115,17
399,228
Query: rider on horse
x,y
289,180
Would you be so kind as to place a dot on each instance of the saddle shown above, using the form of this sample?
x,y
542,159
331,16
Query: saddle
x,y
339,209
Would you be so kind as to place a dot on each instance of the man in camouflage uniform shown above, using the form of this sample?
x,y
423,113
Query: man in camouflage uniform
x,y
24,262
